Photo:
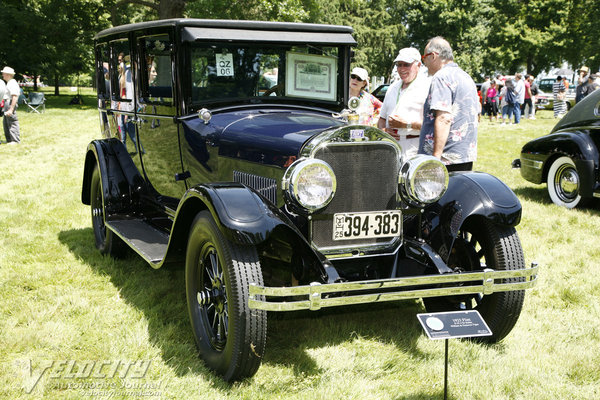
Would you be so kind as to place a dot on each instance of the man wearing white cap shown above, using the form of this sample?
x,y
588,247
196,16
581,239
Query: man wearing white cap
x,y
402,111
11,96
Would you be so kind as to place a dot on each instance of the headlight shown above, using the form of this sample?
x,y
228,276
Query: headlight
x,y
311,183
423,179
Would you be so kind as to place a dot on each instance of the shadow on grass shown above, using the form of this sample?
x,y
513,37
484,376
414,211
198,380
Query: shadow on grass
x,y
540,195
63,101
160,295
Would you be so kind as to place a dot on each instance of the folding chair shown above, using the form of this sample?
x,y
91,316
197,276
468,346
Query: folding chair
x,y
36,100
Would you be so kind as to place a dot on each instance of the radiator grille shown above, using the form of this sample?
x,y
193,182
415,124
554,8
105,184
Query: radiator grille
x,y
367,180
265,186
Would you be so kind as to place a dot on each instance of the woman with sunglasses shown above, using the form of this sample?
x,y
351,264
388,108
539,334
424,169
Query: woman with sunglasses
x,y
369,107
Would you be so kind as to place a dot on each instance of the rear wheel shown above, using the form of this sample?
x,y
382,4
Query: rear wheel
x,y
106,240
563,183
482,244
230,336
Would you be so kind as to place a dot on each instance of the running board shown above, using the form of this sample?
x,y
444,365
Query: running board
x,y
142,237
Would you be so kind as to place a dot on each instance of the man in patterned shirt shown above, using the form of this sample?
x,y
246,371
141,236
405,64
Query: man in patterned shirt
x,y
449,130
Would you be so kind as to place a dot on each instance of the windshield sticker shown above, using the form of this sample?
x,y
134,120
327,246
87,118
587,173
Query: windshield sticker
x,y
311,76
224,63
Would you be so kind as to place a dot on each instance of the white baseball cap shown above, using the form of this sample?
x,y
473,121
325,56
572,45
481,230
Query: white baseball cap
x,y
408,55
361,73
8,70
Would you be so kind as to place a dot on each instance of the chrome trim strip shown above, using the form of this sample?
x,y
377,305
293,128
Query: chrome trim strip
x,y
316,291
531,163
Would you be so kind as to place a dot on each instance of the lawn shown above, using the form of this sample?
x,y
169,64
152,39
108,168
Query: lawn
x,y
92,327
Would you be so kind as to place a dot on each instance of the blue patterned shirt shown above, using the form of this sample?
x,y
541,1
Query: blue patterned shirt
x,y
452,90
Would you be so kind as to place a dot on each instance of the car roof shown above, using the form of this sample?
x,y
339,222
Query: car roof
x,y
243,30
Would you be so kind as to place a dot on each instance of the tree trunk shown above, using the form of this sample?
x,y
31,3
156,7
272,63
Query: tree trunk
x,y
56,91
171,9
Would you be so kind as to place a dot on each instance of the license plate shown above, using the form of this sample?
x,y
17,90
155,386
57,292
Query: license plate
x,y
367,225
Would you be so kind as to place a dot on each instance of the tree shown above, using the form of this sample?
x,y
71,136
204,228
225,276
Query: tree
x,y
51,38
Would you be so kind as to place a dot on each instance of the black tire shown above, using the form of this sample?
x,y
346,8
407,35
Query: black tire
x,y
106,240
564,183
230,336
482,244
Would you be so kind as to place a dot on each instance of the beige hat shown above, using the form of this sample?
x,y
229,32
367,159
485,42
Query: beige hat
x,y
361,73
584,69
408,55
8,70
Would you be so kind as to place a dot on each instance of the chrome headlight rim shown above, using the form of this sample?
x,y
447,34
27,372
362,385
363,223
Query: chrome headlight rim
x,y
292,176
409,173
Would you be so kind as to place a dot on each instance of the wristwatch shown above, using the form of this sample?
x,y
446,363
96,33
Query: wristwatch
x,y
409,126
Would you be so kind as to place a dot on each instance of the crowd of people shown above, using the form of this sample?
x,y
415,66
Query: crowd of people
x,y
433,106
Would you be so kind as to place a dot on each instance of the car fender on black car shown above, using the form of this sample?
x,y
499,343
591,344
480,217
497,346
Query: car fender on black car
x,y
567,159
226,149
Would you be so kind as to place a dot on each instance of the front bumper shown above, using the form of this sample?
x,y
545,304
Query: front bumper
x,y
485,282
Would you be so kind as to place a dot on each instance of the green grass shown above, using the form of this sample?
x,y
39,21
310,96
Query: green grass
x,y
61,300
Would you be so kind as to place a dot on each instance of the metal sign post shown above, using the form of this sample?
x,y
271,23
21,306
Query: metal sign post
x,y
453,324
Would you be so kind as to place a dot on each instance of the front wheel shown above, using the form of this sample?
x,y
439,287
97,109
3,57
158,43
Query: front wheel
x,y
482,244
563,183
230,336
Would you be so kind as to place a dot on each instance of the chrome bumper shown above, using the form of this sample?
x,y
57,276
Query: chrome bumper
x,y
484,282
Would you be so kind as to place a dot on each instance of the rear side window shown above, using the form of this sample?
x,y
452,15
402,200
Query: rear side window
x,y
156,72
121,71
102,71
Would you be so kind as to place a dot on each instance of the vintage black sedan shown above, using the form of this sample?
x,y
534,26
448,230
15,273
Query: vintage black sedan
x,y
568,158
226,150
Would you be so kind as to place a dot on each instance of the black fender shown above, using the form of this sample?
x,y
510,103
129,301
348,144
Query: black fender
x,y
244,217
122,183
578,145
469,194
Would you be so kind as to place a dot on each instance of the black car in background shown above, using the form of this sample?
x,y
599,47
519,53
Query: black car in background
x,y
568,158
381,91
224,149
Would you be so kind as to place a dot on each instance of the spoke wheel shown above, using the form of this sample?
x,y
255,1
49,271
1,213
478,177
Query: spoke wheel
x,y
482,244
229,335
564,183
106,241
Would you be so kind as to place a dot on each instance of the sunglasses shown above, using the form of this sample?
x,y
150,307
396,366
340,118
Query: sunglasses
x,y
358,78
403,64
428,54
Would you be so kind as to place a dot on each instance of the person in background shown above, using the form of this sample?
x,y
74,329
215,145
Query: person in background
x,y
11,96
519,88
483,92
508,100
449,130
402,112
369,107
491,97
534,92
587,87
527,106
582,81
559,92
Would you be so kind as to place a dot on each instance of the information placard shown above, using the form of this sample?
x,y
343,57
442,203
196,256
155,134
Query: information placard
x,y
454,324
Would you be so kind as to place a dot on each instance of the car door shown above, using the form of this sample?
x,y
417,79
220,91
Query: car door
x,y
155,119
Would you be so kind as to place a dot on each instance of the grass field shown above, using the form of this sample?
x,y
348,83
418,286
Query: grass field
x,y
65,310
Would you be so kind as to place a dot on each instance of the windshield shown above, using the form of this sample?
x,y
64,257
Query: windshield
x,y
277,73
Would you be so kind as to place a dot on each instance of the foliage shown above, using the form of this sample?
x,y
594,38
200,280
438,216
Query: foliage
x,y
53,38
50,37
62,301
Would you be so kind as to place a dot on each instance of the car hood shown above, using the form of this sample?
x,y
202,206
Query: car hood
x,y
585,113
273,137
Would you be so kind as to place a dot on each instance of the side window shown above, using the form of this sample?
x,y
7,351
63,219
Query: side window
x,y
102,74
157,80
121,73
